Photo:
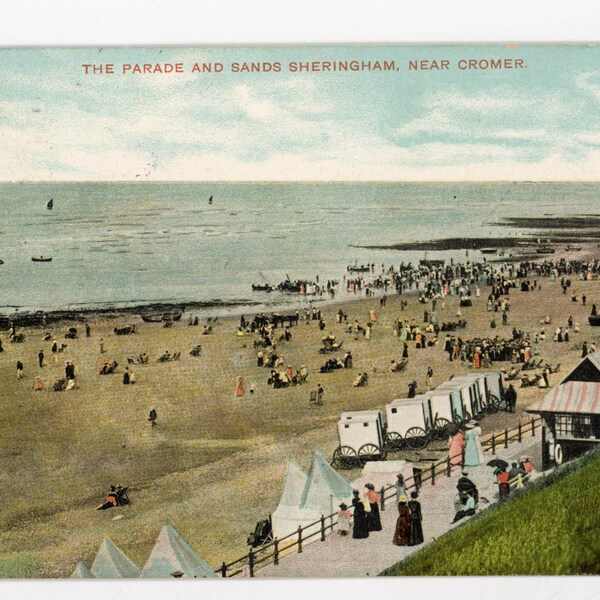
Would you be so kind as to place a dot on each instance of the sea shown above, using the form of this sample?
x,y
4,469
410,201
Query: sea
x,y
127,244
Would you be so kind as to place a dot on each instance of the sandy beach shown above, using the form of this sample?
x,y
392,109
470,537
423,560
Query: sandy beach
x,y
214,464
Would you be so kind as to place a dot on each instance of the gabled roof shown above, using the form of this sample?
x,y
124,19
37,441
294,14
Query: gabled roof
x,y
588,369
173,555
580,397
112,562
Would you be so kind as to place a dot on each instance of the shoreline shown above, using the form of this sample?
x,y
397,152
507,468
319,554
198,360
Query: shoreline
x,y
282,302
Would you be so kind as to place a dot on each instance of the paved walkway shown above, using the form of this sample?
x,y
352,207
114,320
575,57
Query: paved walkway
x,y
341,556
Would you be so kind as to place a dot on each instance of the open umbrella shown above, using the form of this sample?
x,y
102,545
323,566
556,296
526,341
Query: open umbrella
x,y
498,463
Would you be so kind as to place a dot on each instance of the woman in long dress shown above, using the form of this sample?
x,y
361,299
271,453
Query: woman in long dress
x,y
373,518
477,434
402,533
456,443
360,529
416,520
239,388
471,454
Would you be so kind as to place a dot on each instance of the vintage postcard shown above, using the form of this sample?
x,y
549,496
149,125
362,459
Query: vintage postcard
x,y
299,311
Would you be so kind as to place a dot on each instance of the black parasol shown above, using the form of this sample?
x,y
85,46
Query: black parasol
x,y
498,463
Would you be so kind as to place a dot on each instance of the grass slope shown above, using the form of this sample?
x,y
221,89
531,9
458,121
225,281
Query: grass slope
x,y
550,528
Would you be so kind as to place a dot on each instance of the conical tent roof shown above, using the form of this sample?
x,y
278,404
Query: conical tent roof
x,y
323,483
293,486
81,572
172,554
111,562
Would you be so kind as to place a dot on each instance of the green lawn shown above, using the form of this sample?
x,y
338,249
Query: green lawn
x,y
550,528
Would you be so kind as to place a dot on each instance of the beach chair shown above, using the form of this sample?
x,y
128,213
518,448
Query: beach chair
x,y
122,497
314,399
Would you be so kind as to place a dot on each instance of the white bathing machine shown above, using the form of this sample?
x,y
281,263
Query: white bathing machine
x,y
409,423
488,394
448,404
362,438
474,392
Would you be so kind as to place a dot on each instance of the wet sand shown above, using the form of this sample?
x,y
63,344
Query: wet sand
x,y
214,465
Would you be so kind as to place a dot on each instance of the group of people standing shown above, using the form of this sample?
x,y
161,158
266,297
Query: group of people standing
x,y
366,517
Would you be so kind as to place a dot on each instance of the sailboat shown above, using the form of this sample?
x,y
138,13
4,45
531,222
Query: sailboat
x,y
50,204
210,200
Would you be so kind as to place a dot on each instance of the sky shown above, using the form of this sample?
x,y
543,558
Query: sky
x,y
540,122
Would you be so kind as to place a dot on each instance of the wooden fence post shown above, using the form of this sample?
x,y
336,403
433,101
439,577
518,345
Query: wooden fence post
x,y
520,438
506,437
251,562
432,473
322,528
493,444
299,539
223,569
533,427
448,467
382,498
276,551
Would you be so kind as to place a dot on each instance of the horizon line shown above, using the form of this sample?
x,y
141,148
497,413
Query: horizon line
x,y
352,181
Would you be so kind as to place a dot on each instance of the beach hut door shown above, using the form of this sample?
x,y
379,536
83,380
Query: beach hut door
x,y
457,406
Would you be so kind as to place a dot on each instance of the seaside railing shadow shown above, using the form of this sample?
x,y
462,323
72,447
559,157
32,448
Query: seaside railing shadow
x,y
272,552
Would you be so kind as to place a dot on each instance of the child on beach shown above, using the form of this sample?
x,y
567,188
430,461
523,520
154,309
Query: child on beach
x,y
344,520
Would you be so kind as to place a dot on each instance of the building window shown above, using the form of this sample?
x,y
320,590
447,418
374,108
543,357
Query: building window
x,y
573,426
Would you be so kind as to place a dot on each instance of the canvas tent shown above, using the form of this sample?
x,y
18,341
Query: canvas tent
x,y
172,556
306,497
111,562
82,572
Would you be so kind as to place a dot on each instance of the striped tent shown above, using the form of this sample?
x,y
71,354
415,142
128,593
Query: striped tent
x,y
580,397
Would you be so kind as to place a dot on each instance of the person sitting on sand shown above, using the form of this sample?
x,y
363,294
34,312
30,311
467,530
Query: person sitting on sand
x,y
111,499
360,380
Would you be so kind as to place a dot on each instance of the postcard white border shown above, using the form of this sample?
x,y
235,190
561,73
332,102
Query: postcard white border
x,y
193,23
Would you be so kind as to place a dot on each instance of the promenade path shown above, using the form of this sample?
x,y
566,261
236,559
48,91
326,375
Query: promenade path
x,y
341,556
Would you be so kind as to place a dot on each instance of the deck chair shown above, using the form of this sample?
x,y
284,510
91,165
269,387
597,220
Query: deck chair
x,y
122,497
314,399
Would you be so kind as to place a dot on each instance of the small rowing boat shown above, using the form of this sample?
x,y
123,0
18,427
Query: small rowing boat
x,y
41,259
573,248
161,317
488,250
